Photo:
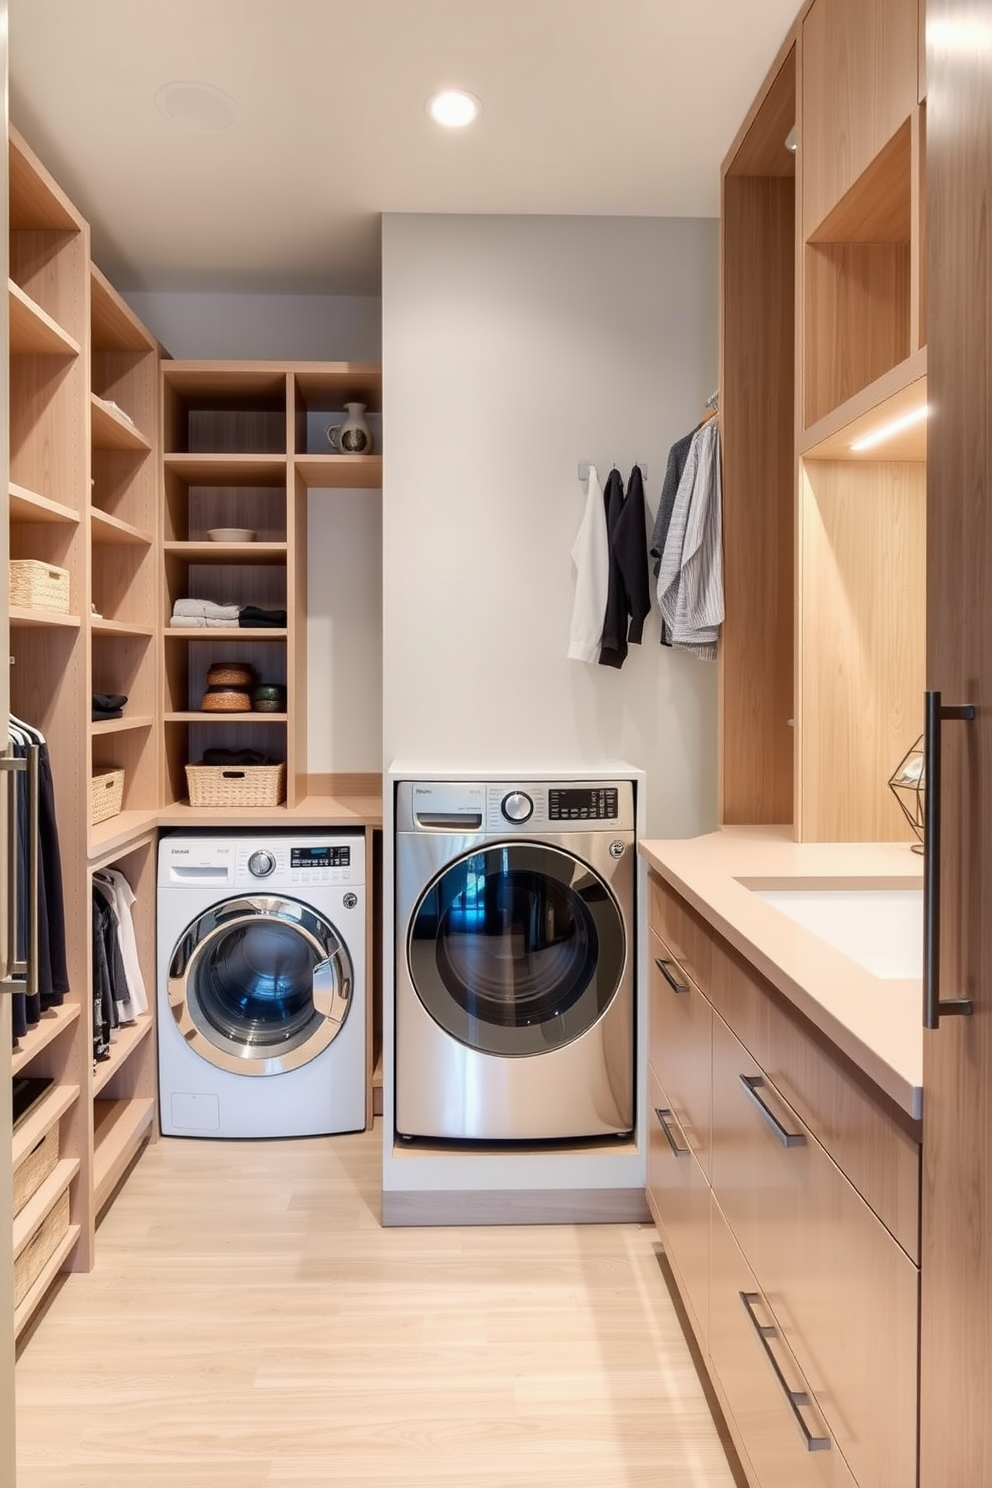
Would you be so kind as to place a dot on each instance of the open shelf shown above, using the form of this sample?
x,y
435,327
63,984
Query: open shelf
x,y
42,1117
32,331
110,838
27,506
53,1024
112,530
222,552
228,470
36,1292
121,725
345,472
42,1201
114,326
129,1037
223,633
110,430
19,615
119,1129
221,717
895,394
103,627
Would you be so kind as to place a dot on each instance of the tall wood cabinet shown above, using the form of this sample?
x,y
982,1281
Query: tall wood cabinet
x,y
955,1434
82,499
823,343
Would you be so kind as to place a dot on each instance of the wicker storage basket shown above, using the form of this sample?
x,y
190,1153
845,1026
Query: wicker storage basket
x,y
35,1168
43,1243
39,586
230,674
236,785
226,700
106,794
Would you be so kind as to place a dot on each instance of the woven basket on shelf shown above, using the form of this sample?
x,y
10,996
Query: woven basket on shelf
x,y
236,785
106,794
43,1244
39,586
35,1168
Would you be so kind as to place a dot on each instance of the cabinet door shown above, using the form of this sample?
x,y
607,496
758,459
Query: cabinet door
x,y
956,1264
843,1291
757,1372
679,1039
678,1195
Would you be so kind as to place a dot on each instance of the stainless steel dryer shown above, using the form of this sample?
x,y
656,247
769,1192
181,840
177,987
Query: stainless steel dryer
x,y
515,962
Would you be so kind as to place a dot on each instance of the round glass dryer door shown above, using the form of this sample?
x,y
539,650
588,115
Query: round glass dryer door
x,y
516,949
260,985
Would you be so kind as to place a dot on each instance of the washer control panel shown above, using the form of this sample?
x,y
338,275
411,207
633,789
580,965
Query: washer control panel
x,y
580,803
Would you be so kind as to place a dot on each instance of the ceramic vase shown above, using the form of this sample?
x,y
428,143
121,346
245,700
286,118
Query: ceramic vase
x,y
353,437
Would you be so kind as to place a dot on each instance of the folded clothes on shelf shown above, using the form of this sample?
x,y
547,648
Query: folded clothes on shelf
x,y
107,705
252,618
236,757
202,622
205,608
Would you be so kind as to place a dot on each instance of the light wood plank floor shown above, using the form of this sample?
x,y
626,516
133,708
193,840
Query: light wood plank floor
x,y
249,1324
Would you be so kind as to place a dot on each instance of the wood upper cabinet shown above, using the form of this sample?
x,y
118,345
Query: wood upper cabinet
x,y
859,84
956,1265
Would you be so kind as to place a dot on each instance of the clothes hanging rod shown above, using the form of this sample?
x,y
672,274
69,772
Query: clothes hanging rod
x,y
585,464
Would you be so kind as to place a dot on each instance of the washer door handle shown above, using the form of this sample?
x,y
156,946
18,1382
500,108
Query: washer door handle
x,y
330,999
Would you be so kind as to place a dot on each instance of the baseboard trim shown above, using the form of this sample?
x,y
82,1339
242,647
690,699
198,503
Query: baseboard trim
x,y
516,1207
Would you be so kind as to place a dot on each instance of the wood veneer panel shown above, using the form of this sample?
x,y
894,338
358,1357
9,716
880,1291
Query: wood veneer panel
x,y
757,433
763,150
862,644
860,84
956,1270
857,319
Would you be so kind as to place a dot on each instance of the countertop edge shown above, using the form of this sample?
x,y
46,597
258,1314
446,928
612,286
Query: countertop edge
x,y
890,1076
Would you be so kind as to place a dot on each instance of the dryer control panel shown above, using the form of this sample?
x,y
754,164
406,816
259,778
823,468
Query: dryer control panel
x,y
467,808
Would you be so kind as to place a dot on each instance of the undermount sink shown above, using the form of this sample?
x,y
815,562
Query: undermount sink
x,y
878,926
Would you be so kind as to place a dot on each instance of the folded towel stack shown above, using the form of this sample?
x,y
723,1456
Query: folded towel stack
x,y
200,614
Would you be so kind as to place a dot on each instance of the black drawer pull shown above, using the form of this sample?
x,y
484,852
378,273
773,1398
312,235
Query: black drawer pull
x,y
795,1398
751,1084
663,968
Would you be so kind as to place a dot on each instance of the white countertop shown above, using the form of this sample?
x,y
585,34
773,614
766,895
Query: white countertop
x,y
876,1021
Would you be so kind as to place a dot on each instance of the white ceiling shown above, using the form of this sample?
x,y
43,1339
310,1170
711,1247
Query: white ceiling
x,y
590,106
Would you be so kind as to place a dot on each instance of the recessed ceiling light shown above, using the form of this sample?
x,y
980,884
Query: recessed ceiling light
x,y
197,106
454,108
886,431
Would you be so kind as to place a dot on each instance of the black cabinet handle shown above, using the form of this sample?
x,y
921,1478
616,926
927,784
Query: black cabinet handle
x,y
794,1398
663,966
934,1006
662,1113
751,1084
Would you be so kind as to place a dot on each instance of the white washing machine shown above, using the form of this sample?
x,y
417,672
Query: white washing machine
x,y
261,983
515,960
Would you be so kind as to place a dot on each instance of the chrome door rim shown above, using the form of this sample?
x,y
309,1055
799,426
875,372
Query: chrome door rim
x,y
332,990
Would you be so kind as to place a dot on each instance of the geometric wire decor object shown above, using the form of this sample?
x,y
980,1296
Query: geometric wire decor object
x,y
908,783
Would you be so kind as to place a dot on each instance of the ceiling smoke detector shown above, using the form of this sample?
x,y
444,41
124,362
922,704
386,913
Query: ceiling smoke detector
x,y
198,107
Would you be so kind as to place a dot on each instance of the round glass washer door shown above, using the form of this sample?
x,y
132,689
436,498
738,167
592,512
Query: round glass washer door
x,y
516,949
260,985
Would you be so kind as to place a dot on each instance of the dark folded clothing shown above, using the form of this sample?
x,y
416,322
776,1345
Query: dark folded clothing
x,y
251,617
99,715
236,757
108,702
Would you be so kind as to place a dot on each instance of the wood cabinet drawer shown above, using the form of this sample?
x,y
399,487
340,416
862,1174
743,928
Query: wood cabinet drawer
x,y
679,1045
843,1292
679,1198
766,1421
684,931
873,1145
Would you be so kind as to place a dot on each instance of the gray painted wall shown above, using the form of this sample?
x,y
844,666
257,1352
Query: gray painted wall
x,y
513,348
256,327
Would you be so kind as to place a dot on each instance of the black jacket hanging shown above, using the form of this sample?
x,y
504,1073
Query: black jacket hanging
x,y
631,543
613,651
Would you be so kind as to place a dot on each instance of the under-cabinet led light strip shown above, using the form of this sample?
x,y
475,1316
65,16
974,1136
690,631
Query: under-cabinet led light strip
x,y
878,436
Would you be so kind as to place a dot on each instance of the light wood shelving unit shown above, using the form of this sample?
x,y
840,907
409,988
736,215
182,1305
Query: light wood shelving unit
x,y
239,451
823,343
82,494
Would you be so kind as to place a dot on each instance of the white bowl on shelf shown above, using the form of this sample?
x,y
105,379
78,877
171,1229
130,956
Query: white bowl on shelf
x,y
231,534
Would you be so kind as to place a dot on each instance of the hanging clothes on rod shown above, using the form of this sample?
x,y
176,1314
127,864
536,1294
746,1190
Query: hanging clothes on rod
x,y
690,570
127,982
53,977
